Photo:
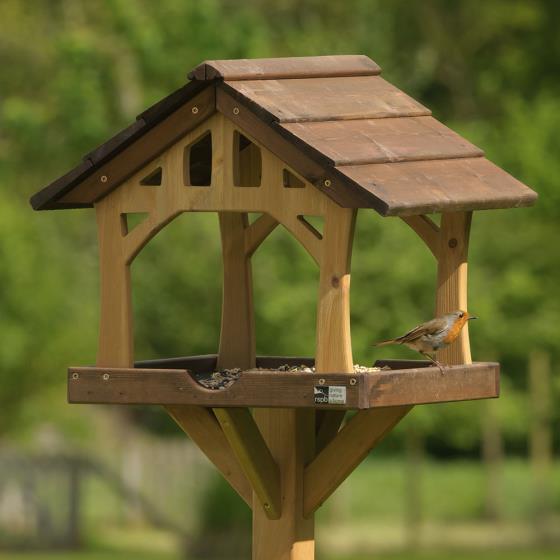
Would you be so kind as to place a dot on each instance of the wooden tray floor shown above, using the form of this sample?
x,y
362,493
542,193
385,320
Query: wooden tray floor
x,y
172,381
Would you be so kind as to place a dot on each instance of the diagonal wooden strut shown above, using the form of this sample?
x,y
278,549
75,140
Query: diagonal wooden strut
x,y
201,426
345,452
253,455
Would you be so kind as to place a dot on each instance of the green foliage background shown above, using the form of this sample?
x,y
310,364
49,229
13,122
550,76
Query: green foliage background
x,y
75,71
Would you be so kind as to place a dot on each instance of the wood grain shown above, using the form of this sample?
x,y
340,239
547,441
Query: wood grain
x,y
202,427
411,385
451,293
346,451
254,457
289,434
322,99
389,140
288,67
424,187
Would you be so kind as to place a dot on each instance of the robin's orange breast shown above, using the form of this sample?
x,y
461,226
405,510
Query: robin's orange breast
x,y
455,330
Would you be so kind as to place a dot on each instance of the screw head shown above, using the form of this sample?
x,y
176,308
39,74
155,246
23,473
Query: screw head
x,y
321,381
236,110
104,178
194,110
327,183
353,381
75,375
105,377
266,506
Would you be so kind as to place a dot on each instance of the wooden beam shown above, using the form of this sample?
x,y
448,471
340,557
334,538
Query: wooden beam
x,y
201,426
254,457
115,321
327,425
452,280
289,435
257,232
346,451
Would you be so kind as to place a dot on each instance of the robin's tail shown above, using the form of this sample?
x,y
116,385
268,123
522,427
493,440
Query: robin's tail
x,y
387,342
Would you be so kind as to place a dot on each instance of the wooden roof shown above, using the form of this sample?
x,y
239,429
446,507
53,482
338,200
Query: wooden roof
x,y
358,138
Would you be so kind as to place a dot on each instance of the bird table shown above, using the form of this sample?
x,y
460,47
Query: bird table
x,y
291,139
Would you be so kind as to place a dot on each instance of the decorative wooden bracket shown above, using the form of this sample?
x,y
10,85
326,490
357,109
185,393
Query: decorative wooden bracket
x,y
253,455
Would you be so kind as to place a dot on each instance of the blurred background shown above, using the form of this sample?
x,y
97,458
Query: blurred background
x,y
477,479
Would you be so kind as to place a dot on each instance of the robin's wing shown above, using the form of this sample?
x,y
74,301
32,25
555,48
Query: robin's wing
x,y
433,327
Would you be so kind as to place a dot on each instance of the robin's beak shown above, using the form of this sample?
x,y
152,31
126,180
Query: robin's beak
x,y
472,317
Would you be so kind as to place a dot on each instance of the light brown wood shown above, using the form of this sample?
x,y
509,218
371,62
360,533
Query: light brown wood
x,y
254,457
257,232
237,334
452,280
116,345
202,427
334,344
346,451
289,434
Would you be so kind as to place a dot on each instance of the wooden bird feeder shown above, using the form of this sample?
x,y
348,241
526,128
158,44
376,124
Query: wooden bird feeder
x,y
289,138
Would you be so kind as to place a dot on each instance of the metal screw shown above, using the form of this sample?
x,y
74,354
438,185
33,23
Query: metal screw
x,y
236,110
194,110
104,178
353,381
327,182
105,377
75,375
321,381
266,506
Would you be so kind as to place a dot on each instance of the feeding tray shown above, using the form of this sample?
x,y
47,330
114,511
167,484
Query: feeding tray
x,y
174,381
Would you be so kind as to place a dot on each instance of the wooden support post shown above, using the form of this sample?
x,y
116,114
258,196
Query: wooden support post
x,y
237,335
452,280
115,321
289,434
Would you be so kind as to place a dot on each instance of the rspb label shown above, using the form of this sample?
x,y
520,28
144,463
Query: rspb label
x,y
329,394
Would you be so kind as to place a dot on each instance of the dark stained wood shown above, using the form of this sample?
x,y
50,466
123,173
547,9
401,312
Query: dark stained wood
x,y
146,148
402,364
418,385
115,144
424,187
304,160
427,384
290,67
363,141
321,99
176,386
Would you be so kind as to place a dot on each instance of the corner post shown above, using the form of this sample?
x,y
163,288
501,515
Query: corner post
x,y
451,294
115,321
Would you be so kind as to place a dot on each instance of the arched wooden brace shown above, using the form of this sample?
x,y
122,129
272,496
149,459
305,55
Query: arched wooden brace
x,y
449,244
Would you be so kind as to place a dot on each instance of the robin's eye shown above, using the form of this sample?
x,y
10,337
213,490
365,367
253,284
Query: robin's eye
x,y
461,314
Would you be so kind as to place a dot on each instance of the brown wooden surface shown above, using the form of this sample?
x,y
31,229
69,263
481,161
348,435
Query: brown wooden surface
x,y
284,389
346,451
202,427
254,457
289,434
451,293
362,141
144,149
321,99
424,187
289,67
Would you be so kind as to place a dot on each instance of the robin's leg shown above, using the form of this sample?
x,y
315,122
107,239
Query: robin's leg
x,y
434,361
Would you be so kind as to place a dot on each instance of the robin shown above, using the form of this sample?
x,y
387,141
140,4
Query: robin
x,y
433,335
